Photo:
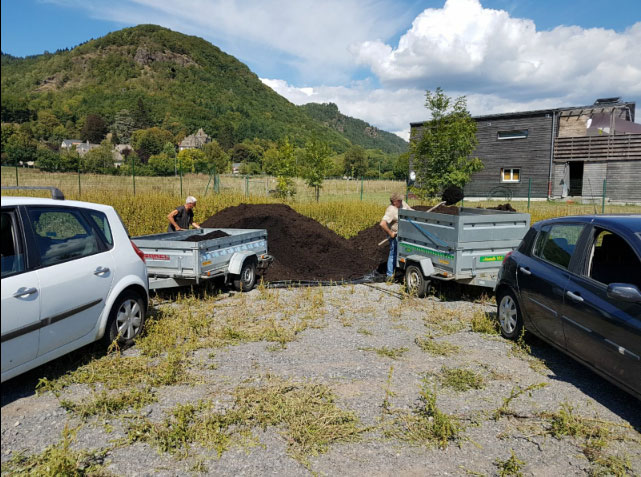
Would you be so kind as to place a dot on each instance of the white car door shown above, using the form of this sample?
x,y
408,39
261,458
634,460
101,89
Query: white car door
x,y
20,298
75,275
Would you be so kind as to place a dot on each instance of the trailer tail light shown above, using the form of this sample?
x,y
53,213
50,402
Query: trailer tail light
x,y
139,252
507,255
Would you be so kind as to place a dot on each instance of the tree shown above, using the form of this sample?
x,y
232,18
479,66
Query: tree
x,y
216,158
187,158
100,159
355,161
147,142
316,163
94,129
124,124
20,147
442,154
162,164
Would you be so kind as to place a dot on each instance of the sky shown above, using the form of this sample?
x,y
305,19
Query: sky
x,y
376,58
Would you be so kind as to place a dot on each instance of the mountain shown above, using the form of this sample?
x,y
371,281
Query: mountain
x,y
160,78
356,130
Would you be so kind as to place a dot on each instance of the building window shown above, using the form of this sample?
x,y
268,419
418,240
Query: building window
x,y
513,134
510,175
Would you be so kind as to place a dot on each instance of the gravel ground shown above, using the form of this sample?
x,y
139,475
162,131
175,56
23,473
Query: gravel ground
x,y
348,324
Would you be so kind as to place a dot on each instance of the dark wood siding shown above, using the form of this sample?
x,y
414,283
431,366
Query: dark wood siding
x,y
530,155
623,181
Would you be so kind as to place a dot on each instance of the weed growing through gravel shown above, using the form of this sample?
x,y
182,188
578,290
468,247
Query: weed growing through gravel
x,y
461,379
105,404
483,323
364,331
517,391
510,467
393,353
426,425
436,348
59,459
596,434
305,412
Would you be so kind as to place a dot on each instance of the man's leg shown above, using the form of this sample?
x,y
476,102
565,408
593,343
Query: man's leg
x,y
391,259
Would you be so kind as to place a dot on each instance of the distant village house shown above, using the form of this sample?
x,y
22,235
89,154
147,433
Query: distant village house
x,y
194,141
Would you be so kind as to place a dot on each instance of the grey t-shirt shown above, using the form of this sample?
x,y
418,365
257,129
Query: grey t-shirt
x,y
183,218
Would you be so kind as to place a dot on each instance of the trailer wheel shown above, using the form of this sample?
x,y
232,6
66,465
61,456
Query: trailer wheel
x,y
415,281
247,278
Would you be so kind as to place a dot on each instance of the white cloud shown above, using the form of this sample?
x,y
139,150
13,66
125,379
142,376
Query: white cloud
x,y
465,46
307,37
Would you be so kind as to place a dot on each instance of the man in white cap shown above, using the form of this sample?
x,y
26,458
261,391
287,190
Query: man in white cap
x,y
182,217
389,224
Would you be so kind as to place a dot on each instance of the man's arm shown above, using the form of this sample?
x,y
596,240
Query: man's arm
x,y
196,226
171,219
386,228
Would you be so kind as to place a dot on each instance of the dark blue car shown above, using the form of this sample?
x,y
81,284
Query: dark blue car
x,y
574,282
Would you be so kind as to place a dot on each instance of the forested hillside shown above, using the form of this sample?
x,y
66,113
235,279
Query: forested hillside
x,y
161,78
356,130
150,87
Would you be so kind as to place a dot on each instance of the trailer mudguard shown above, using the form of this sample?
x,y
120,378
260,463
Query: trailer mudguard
x,y
237,260
426,264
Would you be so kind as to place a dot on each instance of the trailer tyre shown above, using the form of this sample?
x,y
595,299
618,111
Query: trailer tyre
x,y
126,319
247,278
415,281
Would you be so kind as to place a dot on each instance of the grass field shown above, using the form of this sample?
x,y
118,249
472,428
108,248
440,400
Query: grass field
x,y
340,207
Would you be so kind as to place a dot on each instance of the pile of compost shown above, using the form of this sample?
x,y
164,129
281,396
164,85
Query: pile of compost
x,y
506,207
302,248
211,235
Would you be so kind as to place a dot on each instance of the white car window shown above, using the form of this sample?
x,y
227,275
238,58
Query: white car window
x,y
11,246
62,235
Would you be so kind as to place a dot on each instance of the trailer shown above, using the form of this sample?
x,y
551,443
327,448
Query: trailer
x,y
184,258
467,248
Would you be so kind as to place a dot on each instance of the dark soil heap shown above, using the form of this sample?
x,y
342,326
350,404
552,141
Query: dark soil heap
x,y
302,248
211,235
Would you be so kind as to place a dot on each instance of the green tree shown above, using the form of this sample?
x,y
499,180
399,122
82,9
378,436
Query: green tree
x,y
124,124
442,153
47,160
162,164
355,161
216,159
316,164
100,160
94,129
187,158
401,166
20,147
147,142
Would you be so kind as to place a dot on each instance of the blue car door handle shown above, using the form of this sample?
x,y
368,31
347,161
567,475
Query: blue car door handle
x,y
574,296
525,270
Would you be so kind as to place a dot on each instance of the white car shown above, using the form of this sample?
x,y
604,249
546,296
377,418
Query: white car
x,y
70,276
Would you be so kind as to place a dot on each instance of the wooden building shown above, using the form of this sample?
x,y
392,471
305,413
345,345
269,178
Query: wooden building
x,y
553,153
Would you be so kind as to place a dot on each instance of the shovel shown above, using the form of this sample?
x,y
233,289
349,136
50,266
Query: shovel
x,y
451,195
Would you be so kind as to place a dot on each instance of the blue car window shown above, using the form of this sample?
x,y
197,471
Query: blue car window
x,y
613,260
556,243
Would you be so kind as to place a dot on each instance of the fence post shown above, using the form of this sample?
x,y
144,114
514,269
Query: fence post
x,y
217,183
181,177
133,173
246,187
603,198
17,183
529,192
361,188
79,187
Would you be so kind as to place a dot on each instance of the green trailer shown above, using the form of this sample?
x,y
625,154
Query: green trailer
x,y
467,248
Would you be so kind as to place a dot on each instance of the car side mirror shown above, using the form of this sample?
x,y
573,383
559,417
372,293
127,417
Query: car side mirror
x,y
624,292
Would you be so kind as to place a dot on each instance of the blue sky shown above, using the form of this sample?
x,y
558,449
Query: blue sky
x,y
376,58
